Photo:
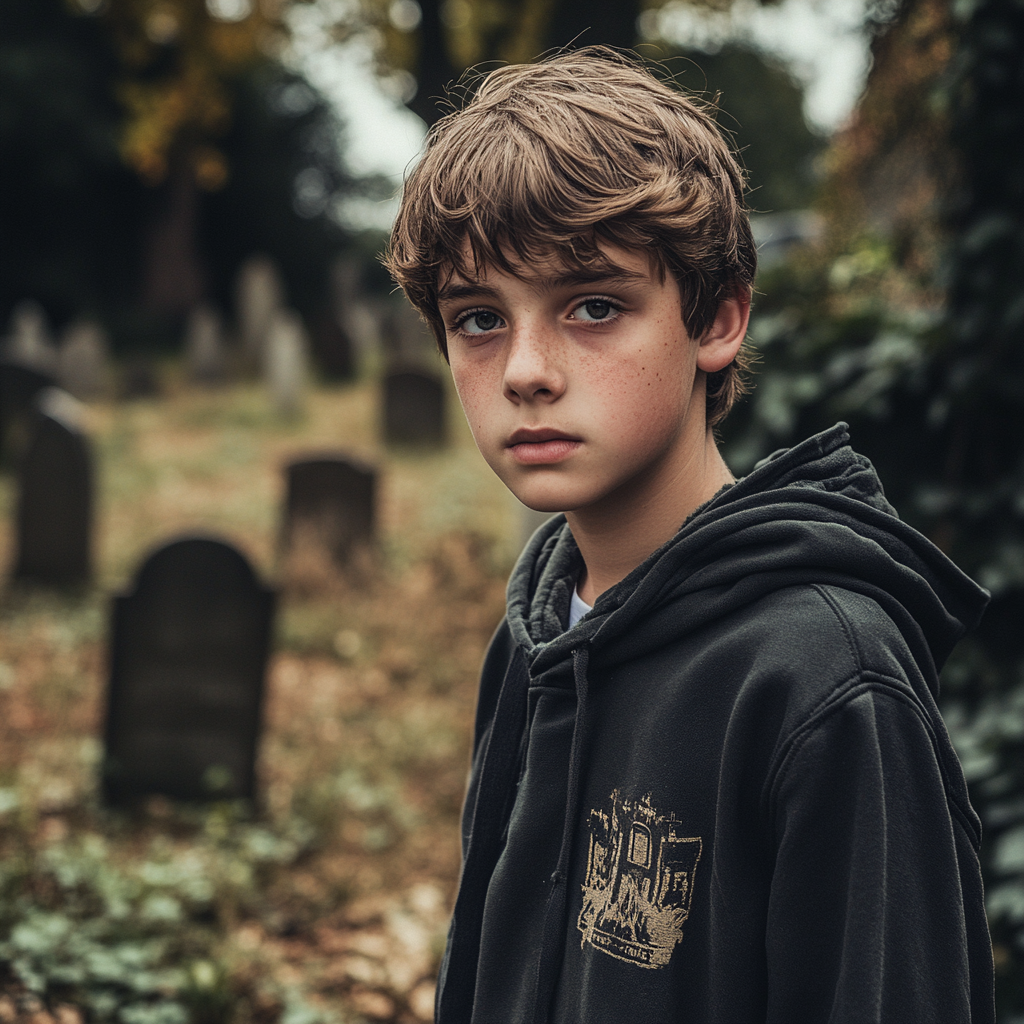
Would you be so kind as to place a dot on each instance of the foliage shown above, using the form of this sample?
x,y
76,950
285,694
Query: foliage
x,y
433,42
177,59
138,941
934,391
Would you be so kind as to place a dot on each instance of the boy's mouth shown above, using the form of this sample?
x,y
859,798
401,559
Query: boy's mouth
x,y
540,446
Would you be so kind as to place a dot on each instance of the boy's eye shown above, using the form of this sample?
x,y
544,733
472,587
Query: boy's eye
x,y
594,309
480,322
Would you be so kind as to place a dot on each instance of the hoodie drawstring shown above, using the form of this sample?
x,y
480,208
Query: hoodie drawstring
x,y
457,984
550,961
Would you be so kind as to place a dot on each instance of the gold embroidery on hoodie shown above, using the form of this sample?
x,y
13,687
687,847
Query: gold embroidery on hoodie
x,y
639,882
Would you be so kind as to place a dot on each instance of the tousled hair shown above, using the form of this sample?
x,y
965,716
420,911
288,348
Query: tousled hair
x,y
548,160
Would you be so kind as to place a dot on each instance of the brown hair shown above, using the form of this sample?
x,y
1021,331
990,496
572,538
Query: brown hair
x,y
549,159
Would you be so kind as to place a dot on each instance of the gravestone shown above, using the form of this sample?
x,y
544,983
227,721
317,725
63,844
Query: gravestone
x,y
405,336
356,312
139,378
332,348
330,505
259,294
19,386
205,359
285,362
55,497
82,360
28,341
188,655
414,408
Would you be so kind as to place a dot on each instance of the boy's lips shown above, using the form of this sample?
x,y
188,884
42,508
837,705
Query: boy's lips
x,y
533,447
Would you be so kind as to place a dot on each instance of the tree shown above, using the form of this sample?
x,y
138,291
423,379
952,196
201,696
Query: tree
x,y
436,40
143,160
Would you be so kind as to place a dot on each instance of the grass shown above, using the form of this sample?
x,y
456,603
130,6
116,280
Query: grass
x,y
328,901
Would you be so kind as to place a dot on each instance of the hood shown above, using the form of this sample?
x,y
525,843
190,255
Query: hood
x,y
815,513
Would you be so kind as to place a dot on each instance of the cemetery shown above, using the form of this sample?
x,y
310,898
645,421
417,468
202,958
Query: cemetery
x,y
230,777
250,558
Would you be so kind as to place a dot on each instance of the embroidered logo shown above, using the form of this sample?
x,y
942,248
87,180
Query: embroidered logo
x,y
639,883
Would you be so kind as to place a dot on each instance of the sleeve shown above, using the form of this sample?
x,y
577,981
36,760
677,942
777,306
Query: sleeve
x,y
875,908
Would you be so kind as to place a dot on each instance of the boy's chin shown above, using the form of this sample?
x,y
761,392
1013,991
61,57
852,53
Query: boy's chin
x,y
547,504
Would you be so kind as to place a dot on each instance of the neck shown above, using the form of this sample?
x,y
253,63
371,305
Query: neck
x,y
615,536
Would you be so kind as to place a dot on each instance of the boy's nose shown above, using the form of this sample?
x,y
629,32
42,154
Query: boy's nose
x,y
532,370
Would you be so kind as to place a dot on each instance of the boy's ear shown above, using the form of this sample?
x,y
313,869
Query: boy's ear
x,y
722,340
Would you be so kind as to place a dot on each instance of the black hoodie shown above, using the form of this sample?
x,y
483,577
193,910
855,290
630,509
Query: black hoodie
x,y
726,795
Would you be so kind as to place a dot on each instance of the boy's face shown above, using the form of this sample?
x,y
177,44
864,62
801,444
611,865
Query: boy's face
x,y
577,391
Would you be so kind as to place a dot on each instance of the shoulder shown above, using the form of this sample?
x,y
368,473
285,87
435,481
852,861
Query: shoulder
x,y
797,656
813,639
836,684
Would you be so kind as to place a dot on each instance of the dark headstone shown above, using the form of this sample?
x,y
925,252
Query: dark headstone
x,y
332,348
414,408
188,655
54,517
19,386
139,379
330,503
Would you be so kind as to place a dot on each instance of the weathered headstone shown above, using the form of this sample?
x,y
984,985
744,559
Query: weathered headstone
x,y
286,363
414,408
205,359
55,498
330,505
28,341
259,294
19,386
188,656
83,360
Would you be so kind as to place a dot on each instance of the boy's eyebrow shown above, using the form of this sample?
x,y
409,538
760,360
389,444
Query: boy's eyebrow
x,y
453,291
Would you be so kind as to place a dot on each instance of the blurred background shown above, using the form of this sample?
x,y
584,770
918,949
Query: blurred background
x,y
193,196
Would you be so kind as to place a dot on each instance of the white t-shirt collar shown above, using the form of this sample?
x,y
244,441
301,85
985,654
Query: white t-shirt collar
x,y
577,608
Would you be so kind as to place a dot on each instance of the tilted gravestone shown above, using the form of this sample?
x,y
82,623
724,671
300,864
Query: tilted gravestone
x,y
188,655
55,497
330,505
414,410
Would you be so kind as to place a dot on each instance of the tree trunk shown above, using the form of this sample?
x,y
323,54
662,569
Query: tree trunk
x,y
174,280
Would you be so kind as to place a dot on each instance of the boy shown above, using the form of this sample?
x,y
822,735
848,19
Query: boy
x,y
710,782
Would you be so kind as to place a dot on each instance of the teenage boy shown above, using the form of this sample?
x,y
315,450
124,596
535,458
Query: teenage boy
x,y
710,782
